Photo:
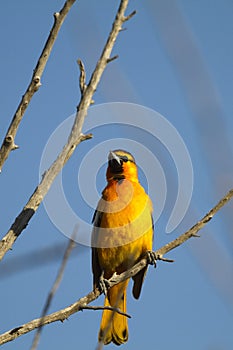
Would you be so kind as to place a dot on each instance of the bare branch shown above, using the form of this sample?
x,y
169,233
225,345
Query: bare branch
x,y
53,290
74,139
8,143
63,314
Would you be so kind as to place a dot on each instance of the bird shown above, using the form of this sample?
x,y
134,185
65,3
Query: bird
x,y
122,234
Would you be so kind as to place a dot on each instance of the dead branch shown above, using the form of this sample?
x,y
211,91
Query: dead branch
x,y
80,304
8,144
74,139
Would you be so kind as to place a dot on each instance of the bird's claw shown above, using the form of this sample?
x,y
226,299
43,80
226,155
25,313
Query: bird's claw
x,y
103,284
152,258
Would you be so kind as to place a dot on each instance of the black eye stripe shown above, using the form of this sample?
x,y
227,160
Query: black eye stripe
x,y
126,159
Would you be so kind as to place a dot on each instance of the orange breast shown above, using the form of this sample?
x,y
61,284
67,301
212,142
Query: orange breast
x,y
126,226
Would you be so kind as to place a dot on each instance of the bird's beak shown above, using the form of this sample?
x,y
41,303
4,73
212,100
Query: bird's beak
x,y
112,156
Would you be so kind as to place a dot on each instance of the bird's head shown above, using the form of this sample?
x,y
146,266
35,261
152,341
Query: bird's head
x,y
121,165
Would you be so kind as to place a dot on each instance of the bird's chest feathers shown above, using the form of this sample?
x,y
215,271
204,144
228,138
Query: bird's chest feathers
x,y
126,214
122,202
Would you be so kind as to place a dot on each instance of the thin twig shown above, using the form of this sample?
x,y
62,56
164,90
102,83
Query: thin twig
x,y
53,290
112,58
130,16
63,314
114,309
74,139
8,144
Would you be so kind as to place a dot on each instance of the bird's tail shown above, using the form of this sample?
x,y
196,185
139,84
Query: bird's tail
x,y
114,326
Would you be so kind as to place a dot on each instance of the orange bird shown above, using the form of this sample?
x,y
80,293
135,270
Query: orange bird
x,y
122,234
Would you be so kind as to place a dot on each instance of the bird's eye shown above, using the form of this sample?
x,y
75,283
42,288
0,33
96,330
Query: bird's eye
x,y
124,158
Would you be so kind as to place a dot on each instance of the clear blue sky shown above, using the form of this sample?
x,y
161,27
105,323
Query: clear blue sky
x,y
176,58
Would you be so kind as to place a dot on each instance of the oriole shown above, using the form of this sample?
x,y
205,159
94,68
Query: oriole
x,y
122,234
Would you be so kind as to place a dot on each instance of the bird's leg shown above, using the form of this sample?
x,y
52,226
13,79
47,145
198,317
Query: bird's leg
x,y
103,284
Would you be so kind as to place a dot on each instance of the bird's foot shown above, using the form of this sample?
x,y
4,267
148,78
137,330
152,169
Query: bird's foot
x,y
152,258
103,284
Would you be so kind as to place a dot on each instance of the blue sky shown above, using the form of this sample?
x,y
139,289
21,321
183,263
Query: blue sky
x,y
175,58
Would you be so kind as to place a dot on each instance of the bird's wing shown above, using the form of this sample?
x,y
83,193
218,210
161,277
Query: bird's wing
x,y
96,270
139,277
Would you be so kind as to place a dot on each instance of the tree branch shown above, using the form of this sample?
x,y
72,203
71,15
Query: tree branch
x,y
74,139
80,304
8,144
